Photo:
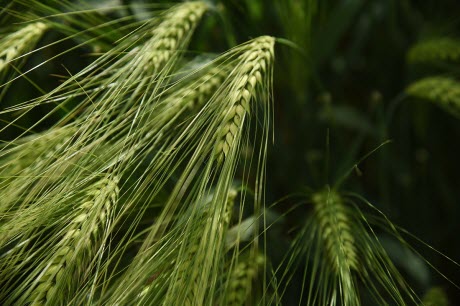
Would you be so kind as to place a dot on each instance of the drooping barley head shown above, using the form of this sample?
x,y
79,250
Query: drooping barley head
x,y
73,253
252,68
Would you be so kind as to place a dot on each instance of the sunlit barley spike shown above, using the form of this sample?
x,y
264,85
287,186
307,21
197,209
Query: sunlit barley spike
x,y
336,231
169,34
438,49
20,42
443,91
241,279
80,240
248,74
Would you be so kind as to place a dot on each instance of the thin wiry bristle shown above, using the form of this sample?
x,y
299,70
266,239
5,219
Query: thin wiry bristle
x,y
191,262
26,161
183,272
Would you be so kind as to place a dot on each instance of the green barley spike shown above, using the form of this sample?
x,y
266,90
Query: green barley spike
x,y
79,243
440,49
253,68
337,238
20,42
443,91
435,297
241,279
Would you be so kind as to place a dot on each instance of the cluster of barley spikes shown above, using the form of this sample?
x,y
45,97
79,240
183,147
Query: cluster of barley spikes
x,y
128,198
138,193
442,90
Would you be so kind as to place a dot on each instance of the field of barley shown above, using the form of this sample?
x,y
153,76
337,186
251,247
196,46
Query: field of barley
x,y
229,152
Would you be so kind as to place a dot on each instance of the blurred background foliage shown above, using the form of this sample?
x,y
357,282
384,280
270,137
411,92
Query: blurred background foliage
x,y
339,91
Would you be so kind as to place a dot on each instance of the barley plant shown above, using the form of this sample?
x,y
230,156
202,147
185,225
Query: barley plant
x,y
229,152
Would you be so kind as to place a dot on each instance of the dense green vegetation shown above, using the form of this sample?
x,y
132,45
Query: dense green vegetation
x,y
233,152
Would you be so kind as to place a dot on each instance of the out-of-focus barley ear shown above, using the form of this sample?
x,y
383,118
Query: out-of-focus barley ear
x,y
73,253
19,43
189,267
435,50
241,279
442,91
228,209
436,296
252,68
182,273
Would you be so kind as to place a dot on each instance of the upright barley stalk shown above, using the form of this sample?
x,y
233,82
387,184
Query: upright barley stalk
x,y
74,252
334,228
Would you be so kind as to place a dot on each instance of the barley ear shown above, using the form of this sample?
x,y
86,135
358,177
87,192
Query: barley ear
x,y
435,297
74,252
443,91
252,68
26,161
187,285
195,95
336,235
20,42
440,49
241,279
170,35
